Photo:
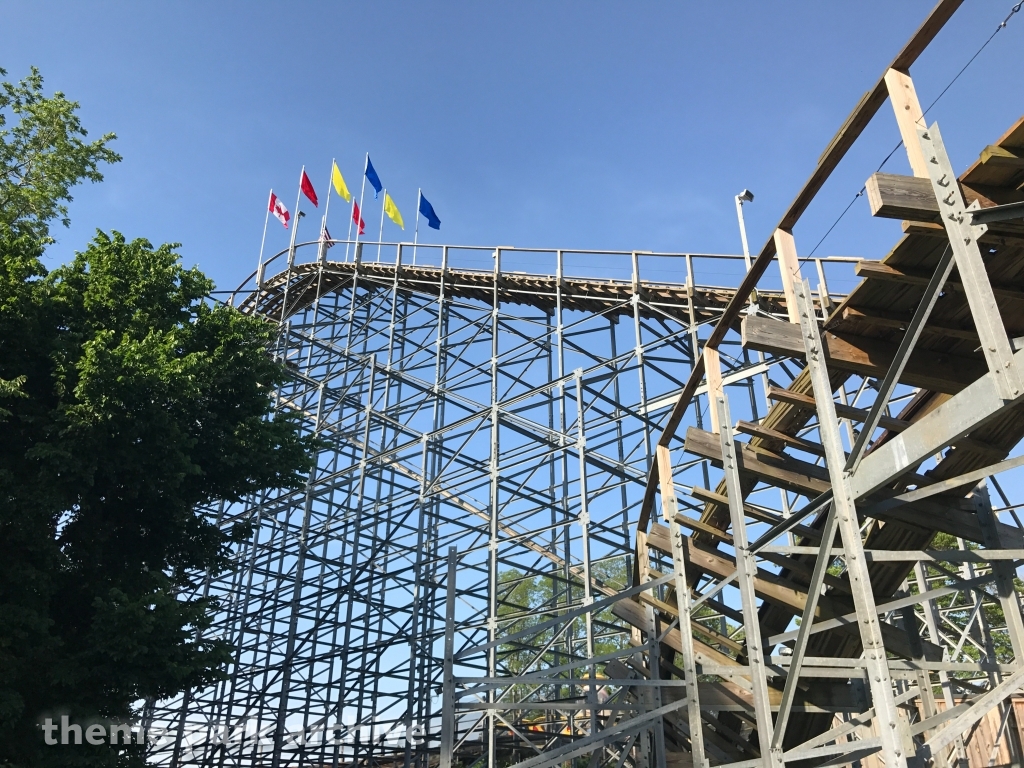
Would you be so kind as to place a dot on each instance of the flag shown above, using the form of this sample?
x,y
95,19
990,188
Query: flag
x,y
371,176
392,211
339,184
280,212
428,211
325,238
307,188
358,219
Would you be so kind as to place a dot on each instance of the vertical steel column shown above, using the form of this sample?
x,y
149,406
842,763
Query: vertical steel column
x,y
669,509
584,521
880,681
495,510
300,565
448,681
963,237
746,567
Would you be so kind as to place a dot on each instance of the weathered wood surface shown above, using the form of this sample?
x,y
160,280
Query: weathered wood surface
x,y
936,371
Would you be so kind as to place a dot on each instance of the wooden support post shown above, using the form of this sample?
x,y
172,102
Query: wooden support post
x,y
909,117
789,267
713,371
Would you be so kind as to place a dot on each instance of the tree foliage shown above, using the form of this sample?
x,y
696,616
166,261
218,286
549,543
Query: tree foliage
x,y
128,402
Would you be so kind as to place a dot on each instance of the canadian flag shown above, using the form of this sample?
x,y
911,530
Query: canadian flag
x,y
277,208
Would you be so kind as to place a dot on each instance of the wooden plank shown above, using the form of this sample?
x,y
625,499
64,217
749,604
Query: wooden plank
x,y
891,196
867,268
698,525
843,411
710,497
713,366
999,232
901,197
635,615
673,611
936,371
1002,157
756,430
782,471
882,319
786,594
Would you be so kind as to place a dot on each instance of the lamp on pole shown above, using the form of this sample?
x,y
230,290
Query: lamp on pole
x,y
746,196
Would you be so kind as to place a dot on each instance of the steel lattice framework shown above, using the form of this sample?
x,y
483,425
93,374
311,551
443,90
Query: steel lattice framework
x,y
504,415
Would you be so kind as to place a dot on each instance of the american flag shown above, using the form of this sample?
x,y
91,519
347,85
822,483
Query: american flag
x,y
325,238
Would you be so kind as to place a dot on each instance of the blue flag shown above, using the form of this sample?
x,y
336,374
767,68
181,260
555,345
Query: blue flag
x,y
373,178
428,210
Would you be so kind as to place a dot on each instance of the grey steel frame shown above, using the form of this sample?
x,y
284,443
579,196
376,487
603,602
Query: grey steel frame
x,y
520,437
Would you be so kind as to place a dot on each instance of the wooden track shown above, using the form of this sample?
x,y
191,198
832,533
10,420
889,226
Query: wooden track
x,y
305,282
863,332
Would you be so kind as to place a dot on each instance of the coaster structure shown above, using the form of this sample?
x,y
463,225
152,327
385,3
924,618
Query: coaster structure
x,y
560,518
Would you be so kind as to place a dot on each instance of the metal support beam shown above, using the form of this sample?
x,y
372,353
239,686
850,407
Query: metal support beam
x,y
746,568
880,681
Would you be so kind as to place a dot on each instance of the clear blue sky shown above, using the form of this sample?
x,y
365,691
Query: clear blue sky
x,y
563,124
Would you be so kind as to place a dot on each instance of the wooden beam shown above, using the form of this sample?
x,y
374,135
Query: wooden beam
x,y
843,411
999,232
848,133
789,270
937,371
713,366
782,471
879,271
787,594
697,525
836,150
1001,157
891,196
756,430
909,117
901,197
634,614
754,513
883,319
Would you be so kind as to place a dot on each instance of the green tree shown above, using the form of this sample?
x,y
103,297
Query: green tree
x,y
128,402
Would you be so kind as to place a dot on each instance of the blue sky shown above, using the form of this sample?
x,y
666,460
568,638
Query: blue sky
x,y
563,124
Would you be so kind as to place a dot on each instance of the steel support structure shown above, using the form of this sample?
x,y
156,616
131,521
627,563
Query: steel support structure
x,y
507,413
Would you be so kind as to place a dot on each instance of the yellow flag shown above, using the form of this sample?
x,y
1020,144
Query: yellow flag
x,y
392,211
339,184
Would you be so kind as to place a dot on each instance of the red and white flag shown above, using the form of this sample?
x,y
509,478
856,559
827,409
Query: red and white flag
x,y
280,212
325,238
307,188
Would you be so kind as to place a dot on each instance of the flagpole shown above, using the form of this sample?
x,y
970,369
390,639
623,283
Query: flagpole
x,y
295,229
351,218
322,248
416,236
362,192
263,242
351,212
381,235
